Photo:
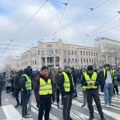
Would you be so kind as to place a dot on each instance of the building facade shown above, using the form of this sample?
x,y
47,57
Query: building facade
x,y
58,54
109,50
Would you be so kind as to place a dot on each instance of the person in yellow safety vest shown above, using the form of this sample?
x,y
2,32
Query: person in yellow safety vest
x,y
66,85
108,85
91,81
44,93
26,87
83,88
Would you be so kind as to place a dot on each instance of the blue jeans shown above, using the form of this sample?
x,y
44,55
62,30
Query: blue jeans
x,y
108,93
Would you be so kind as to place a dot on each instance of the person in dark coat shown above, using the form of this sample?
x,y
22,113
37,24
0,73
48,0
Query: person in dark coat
x,y
26,87
17,86
66,86
44,93
2,82
101,79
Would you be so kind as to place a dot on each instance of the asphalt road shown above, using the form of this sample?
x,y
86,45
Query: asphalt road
x,y
9,112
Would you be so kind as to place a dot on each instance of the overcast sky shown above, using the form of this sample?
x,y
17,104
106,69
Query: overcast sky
x,y
25,22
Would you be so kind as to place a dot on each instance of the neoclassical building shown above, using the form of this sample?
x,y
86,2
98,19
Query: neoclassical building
x,y
55,54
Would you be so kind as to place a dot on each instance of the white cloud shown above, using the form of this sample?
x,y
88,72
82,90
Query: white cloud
x,y
47,20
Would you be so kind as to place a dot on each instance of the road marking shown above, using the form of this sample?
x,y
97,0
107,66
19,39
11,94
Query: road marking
x,y
11,113
109,113
6,99
71,113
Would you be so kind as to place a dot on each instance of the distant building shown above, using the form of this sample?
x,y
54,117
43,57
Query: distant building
x,y
109,49
55,54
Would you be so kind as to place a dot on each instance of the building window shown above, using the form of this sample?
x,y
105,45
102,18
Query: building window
x,y
87,60
64,60
91,53
68,52
81,52
75,52
56,51
86,53
35,62
75,60
81,60
72,52
84,60
69,60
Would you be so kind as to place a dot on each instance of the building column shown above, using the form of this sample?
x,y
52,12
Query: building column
x,y
45,61
54,62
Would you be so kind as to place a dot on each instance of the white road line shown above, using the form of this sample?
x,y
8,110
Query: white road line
x,y
6,99
109,113
11,113
83,116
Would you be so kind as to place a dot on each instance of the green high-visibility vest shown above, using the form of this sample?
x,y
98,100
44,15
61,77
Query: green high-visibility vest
x,y
45,88
28,83
67,82
92,79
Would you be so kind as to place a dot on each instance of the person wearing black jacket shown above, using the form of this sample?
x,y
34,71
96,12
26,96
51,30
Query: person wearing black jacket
x,y
17,86
2,82
101,79
66,85
91,81
26,87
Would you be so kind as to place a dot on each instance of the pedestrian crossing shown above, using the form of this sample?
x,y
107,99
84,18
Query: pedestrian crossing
x,y
77,113
9,112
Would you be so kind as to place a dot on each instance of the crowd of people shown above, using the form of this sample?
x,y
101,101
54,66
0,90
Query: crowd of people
x,y
60,85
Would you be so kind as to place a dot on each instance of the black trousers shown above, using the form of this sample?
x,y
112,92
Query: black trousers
x,y
1,96
17,96
67,103
115,89
7,89
93,94
44,109
25,99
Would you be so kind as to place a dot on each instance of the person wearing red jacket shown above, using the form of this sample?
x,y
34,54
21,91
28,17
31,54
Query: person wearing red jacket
x,y
44,93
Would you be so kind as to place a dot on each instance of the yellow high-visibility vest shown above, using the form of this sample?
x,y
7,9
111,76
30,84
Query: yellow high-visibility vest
x,y
112,72
28,83
93,79
67,82
45,88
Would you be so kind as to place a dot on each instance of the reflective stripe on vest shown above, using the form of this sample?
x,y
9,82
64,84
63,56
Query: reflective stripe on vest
x,y
67,82
93,78
28,83
45,88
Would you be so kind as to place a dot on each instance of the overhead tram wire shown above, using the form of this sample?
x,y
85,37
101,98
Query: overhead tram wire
x,y
104,24
62,17
91,10
26,24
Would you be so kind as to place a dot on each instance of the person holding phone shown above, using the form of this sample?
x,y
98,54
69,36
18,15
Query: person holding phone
x,y
91,81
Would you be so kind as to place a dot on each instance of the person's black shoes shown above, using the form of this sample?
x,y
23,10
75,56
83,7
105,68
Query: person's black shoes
x,y
102,117
91,117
